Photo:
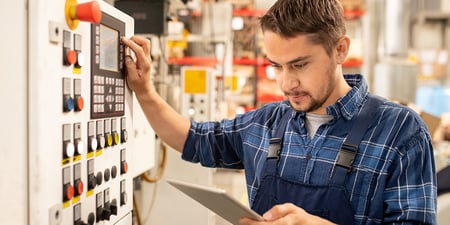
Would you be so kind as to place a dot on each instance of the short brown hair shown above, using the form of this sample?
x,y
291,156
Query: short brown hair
x,y
322,20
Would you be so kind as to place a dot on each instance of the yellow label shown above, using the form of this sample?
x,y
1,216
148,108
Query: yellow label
x,y
65,161
90,192
66,204
90,154
75,199
195,81
76,70
98,152
77,158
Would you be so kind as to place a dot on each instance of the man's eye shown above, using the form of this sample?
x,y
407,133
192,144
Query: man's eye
x,y
299,66
275,66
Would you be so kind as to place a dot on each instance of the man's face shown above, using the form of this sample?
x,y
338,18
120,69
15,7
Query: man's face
x,y
306,74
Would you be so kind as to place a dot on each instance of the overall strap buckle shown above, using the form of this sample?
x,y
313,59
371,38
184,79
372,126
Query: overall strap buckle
x,y
274,148
346,156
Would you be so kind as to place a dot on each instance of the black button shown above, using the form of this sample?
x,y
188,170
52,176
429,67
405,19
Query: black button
x,y
99,178
107,174
114,172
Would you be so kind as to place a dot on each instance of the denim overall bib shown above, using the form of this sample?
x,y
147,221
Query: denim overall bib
x,y
330,201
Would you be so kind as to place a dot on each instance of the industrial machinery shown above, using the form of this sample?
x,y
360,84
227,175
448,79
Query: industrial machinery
x,y
199,98
86,137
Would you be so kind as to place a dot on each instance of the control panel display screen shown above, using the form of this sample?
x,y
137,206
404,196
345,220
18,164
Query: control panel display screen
x,y
109,48
107,75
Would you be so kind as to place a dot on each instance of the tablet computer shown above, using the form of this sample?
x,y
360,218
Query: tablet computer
x,y
217,200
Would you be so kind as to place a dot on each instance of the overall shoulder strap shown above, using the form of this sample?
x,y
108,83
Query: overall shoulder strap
x,y
275,143
349,148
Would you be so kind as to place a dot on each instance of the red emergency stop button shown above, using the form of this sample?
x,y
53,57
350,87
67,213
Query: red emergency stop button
x,y
68,192
89,12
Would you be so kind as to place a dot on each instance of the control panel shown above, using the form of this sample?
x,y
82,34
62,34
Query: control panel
x,y
84,122
198,100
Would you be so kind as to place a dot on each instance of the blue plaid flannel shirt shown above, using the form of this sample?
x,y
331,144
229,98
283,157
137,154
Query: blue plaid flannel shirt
x,y
394,178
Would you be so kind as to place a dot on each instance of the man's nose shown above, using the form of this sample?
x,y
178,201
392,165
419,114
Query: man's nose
x,y
289,80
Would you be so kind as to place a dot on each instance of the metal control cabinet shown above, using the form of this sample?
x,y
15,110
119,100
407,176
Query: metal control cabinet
x,y
86,138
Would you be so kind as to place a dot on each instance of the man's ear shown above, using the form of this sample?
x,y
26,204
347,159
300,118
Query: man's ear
x,y
342,48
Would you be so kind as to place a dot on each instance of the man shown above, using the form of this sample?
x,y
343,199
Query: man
x,y
301,162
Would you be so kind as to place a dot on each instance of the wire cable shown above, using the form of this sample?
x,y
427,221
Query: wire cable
x,y
162,167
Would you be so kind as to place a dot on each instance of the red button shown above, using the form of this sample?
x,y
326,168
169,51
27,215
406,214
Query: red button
x,y
124,167
79,187
71,57
79,103
89,12
68,192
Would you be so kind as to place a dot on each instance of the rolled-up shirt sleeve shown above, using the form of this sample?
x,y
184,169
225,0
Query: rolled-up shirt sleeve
x,y
216,144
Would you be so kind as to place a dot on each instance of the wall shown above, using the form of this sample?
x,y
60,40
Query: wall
x,y
13,58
